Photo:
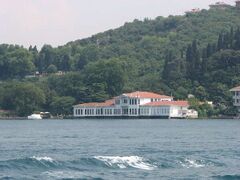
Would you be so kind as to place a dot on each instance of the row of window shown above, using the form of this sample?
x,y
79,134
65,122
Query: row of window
x,y
86,112
108,111
134,101
144,111
237,93
237,101
112,111
89,111
98,112
79,111
154,111
155,100
117,111
131,101
131,111
159,111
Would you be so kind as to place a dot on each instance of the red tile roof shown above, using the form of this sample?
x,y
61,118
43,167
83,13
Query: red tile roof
x,y
143,94
168,103
235,89
96,104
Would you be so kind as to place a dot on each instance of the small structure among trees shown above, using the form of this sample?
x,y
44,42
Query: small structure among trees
x,y
193,11
219,5
238,3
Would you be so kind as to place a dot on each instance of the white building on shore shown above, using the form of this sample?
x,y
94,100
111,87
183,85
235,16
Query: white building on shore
x,y
236,97
135,104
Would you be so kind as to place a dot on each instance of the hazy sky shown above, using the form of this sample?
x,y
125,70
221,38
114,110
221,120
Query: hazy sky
x,y
55,22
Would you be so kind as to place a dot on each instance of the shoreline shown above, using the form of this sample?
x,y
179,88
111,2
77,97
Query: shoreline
x,y
118,118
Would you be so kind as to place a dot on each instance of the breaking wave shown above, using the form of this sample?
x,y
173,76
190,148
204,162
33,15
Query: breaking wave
x,y
29,163
126,161
48,163
45,158
189,163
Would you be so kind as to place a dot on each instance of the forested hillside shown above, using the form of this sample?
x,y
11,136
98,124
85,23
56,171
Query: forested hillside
x,y
198,53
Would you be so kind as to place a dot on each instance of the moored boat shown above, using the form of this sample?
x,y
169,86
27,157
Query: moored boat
x,y
35,116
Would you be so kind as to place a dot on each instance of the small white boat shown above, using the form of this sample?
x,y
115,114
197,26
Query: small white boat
x,y
35,116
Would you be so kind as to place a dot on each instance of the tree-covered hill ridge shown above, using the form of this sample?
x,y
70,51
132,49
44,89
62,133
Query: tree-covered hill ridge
x,y
173,31
176,55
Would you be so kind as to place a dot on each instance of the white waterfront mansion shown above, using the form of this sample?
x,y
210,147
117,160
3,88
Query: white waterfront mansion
x,y
135,104
236,97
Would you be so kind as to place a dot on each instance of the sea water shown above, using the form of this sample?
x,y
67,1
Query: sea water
x,y
120,149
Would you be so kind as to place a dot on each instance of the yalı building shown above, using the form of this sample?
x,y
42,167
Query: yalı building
x,y
135,104
236,97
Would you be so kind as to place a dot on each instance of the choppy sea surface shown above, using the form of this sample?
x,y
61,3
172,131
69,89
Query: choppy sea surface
x,y
120,149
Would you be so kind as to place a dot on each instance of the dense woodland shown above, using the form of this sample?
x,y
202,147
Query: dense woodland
x,y
198,54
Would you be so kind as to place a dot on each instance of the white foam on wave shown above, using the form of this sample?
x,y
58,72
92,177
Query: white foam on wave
x,y
188,163
45,158
125,161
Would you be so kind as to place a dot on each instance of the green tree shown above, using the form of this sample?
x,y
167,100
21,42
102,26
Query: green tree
x,y
201,93
24,99
62,105
109,73
51,69
45,58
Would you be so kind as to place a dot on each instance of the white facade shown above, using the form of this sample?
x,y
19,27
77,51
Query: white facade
x,y
236,97
136,104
